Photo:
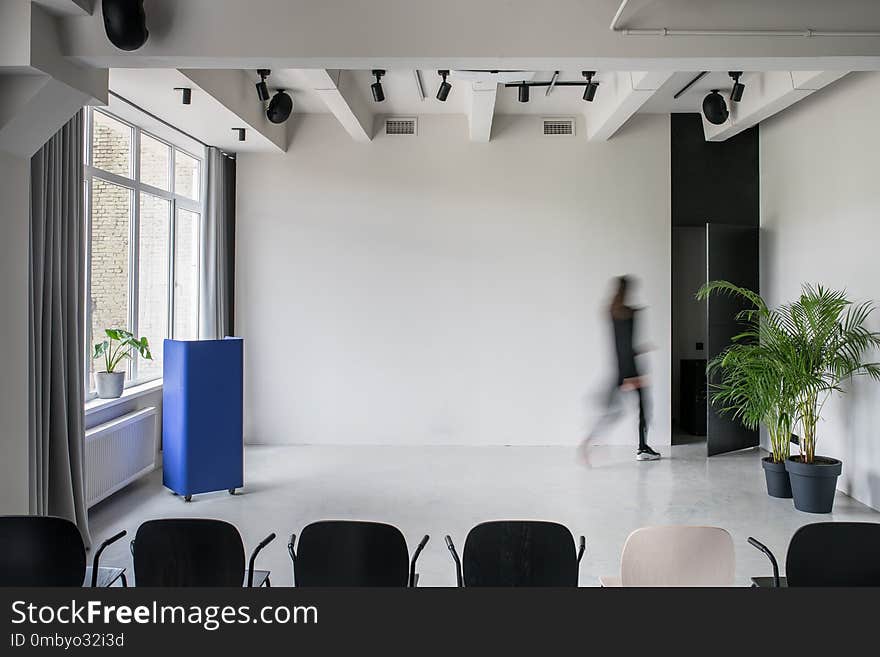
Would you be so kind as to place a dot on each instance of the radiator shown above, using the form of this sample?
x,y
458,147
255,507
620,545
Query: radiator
x,y
118,452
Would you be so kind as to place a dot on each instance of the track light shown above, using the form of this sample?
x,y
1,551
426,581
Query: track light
x,y
280,107
186,95
242,133
591,88
736,93
262,87
714,108
522,88
445,87
376,87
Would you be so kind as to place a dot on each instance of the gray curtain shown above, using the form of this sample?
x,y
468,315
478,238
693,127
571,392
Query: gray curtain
x,y
217,289
56,323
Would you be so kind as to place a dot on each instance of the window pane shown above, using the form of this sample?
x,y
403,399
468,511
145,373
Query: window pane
x,y
111,145
155,162
186,276
111,217
186,175
153,234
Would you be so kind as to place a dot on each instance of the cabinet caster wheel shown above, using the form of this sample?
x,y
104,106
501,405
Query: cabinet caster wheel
x,y
187,498
232,491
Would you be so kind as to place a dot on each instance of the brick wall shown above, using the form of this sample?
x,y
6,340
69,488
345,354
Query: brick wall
x,y
110,222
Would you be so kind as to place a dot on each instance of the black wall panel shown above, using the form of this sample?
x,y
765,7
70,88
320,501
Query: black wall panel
x,y
713,182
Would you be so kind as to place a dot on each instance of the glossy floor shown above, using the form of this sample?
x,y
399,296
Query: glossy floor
x,y
440,490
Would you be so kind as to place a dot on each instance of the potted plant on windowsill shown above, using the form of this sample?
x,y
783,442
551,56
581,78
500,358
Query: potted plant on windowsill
x,y
830,340
754,380
118,346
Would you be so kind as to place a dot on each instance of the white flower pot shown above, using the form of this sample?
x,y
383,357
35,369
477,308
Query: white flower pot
x,y
110,384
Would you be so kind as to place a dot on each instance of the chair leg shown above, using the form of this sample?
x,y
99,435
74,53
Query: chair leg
x,y
123,580
267,583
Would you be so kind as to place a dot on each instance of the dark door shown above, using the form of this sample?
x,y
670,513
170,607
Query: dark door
x,y
731,255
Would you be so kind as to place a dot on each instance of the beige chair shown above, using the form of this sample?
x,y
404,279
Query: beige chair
x,y
676,556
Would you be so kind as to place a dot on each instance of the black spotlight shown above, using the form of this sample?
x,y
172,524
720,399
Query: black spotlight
x,y
186,96
125,23
262,87
376,87
523,93
714,108
242,133
445,87
590,89
736,93
280,107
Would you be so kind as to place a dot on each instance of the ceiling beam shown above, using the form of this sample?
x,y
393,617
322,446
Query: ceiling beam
x,y
235,91
40,90
338,91
767,94
35,108
497,35
68,7
620,95
482,110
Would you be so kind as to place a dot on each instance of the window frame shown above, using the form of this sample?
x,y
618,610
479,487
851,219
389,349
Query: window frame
x,y
136,188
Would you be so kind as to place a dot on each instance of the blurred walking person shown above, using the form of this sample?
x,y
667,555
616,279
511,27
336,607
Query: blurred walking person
x,y
629,379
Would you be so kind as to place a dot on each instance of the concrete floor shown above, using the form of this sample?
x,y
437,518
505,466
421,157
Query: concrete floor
x,y
440,490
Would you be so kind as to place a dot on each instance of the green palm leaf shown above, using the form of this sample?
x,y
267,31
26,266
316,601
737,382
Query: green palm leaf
x,y
786,362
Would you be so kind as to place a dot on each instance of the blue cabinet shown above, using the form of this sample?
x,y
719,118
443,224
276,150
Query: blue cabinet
x,y
202,416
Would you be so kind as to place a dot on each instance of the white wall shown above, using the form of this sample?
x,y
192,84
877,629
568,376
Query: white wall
x,y
14,221
430,290
14,41
820,213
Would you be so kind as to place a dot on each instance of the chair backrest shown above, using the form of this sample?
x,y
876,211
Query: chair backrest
x,y
678,556
188,552
519,553
40,551
834,554
351,553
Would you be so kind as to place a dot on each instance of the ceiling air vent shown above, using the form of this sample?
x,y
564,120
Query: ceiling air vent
x,y
558,126
400,126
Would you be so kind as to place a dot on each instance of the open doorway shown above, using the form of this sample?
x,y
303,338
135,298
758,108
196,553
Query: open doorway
x,y
715,224
688,335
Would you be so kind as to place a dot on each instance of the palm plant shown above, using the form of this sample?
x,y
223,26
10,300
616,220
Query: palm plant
x,y
752,382
788,361
829,339
118,346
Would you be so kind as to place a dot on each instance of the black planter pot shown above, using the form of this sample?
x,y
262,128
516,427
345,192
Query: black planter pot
x,y
778,482
813,484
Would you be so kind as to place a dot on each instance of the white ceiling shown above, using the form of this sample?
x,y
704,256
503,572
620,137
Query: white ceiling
x,y
294,82
402,95
750,14
67,7
206,118
662,102
212,122
561,101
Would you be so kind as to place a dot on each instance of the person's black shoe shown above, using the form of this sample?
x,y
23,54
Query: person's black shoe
x,y
647,454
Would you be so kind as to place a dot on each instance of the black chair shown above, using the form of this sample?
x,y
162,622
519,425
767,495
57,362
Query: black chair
x,y
829,554
49,551
353,553
194,552
518,553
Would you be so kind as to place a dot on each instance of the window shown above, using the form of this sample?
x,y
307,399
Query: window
x,y
144,225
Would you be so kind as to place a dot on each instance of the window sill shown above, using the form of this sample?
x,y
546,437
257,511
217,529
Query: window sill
x,y
129,394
